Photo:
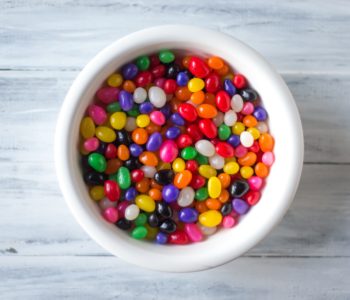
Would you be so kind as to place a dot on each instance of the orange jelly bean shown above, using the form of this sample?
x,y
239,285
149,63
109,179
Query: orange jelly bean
x,y
155,185
182,179
207,111
197,97
183,93
210,99
140,136
113,166
224,196
215,63
213,203
261,170
250,121
224,70
155,194
186,61
248,160
123,152
129,86
151,128
266,142
149,159
201,207
142,186
225,180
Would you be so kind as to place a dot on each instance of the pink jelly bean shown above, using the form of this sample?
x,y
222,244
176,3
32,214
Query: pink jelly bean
x,y
157,117
193,232
240,151
159,82
228,222
111,214
122,207
168,151
268,158
91,144
255,183
107,94
248,108
97,113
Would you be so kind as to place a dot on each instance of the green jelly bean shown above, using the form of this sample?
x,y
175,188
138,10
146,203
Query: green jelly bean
x,y
139,232
134,112
141,219
123,178
166,56
97,161
189,153
201,159
224,132
114,107
143,62
113,177
201,194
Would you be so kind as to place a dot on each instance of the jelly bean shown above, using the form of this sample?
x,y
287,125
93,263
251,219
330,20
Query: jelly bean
x,y
170,86
134,111
141,219
207,171
123,153
215,62
255,183
139,95
123,178
188,112
250,121
166,56
188,153
177,119
248,108
239,81
115,80
131,212
178,237
110,214
183,141
125,100
143,62
168,151
129,86
192,165
155,194
229,87
223,71
172,71
146,107
268,158
210,218
167,226
157,96
118,120
142,120
178,165
161,238
107,95
130,124
201,194
260,113
197,181
130,194
248,160
87,128
219,119
129,71
97,162
105,203
157,117
208,128
223,101
194,132
225,180
139,232
230,118
97,113
197,97
261,170
248,94
246,172
206,111
140,136
240,206
213,204
254,132
183,93
170,193
239,188
94,178
153,220
195,85
112,190
148,159
143,185
97,192
266,142
182,79
154,142
247,139
237,103
111,151
252,197
212,83
173,132
113,107
91,144
182,179
224,149
205,148
145,202
198,67
149,171
224,132
228,222
186,197
214,187
188,215
231,168
226,209
217,162
123,224
194,233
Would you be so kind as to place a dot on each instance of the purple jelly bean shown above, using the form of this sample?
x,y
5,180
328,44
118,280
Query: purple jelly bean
x,y
154,141
146,107
260,113
234,140
170,193
130,194
229,87
188,215
135,150
161,238
240,206
177,119
166,110
126,100
182,79
129,71
172,132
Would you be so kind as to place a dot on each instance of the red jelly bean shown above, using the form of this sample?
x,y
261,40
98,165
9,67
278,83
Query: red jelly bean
x,y
197,181
252,197
192,165
170,86
239,81
224,149
255,148
198,67
188,112
208,128
154,60
184,140
112,190
111,151
143,78
222,100
212,83
194,132
178,237
137,175
107,94
158,71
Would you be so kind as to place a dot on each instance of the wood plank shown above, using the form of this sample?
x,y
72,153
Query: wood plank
x,y
36,221
294,35
110,278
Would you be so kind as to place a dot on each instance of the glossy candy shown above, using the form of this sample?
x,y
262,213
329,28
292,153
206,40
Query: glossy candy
x,y
168,151
210,218
145,202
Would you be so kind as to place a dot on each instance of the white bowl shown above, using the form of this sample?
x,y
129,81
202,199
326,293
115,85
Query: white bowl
x,y
225,245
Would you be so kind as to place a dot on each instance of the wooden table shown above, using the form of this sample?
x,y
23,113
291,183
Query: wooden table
x,y
43,251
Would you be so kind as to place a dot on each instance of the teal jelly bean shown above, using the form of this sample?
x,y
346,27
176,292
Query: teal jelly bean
x,y
189,153
166,56
201,159
97,162
224,132
141,219
123,178
139,232
114,107
201,194
143,62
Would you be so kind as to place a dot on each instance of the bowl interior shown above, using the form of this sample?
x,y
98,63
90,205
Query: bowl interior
x,y
284,125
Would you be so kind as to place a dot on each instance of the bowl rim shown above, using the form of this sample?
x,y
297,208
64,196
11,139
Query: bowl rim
x,y
197,256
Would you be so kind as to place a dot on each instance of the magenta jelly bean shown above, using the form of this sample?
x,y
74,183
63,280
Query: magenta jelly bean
x,y
193,232
91,144
168,151
248,108
228,222
255,183
157,117
107,95
122,207
111,214
97,113
240,151
159,82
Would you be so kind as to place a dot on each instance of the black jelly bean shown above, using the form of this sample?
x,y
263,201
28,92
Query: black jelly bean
x,y
153,220
164,210
164,177
248,94
167,226
102,148
226,208
133,163
172,71
239,188
124,224
94,178
124,137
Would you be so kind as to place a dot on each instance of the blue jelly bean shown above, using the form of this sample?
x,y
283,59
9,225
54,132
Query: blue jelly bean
x,y
135,150
172,132
188,215
161,238
154,141
240,206
129,71
182,79
130,194
234,140
260,113
166,110
145,107
126,100
177,119
170,193
229,87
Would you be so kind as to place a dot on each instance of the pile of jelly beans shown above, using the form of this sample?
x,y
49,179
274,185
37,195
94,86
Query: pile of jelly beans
x,y
175,147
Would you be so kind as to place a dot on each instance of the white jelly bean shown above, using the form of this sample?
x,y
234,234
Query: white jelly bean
x,y
186,197
247,140
130,124
230,118
262,127
132,212
140,95
217,162
237,103
148,171
157,96
205,148
219,119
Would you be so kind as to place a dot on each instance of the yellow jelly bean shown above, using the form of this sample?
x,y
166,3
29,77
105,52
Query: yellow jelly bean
x,y
115,80
142,121
231,167
247,172
210,218
238,128
229,159
151,232
97,192
164,166
195,85
207,171
254,132
214,187
105,134
145,202
179,165
87,128
118,120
